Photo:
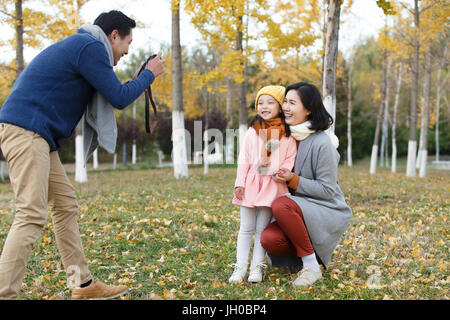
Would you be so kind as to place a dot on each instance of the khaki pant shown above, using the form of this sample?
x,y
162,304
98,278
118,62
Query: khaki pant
x,y
38,179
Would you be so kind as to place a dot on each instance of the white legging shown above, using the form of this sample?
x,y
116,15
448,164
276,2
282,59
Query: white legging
x,y
253,221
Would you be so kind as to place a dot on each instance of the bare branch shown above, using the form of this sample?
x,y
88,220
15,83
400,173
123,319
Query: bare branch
x,y
8,14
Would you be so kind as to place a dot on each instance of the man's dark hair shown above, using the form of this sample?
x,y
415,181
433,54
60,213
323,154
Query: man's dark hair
x,y
310,96
115,20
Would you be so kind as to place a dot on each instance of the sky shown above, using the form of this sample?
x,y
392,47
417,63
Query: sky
x,y
364,20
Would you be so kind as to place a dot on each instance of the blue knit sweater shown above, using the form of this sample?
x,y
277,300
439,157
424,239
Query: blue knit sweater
x,y
51,94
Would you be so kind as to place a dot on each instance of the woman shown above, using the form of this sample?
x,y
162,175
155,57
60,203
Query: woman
x,y
309,222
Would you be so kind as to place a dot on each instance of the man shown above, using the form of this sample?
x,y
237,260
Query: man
x,y
47,102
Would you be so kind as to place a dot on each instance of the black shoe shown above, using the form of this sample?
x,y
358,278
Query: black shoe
x,y
291,262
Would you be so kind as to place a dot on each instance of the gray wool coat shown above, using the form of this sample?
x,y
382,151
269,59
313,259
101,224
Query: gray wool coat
x,y
322,202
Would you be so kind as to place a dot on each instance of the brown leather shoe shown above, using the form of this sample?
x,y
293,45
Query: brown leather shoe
x,y
98,290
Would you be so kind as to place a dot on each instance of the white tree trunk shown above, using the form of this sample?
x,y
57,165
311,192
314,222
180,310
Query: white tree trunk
x,y
330,58
2,169
229,148
180,165
205,153
133,153
349,116
80,169
373,159
422,128
374,155
412,143
423,164
133,148
411,161
394,120
384,127
115,161
438,100
95,159
242,131
426,114
438,104
329,102
242,86
394,155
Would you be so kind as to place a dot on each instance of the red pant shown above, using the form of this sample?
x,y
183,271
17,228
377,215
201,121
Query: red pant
x,y
288,235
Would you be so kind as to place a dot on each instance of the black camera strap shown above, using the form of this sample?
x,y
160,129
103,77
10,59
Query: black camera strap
x,y
148,100
148,96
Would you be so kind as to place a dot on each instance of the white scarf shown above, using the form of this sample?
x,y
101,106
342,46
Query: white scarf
x,y
99,121
301,131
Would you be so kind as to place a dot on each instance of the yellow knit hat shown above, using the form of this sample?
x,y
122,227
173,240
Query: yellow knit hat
x,y
277,92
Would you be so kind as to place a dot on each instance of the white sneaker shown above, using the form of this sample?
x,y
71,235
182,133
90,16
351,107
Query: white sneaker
x,y
239,273
306,277
256,273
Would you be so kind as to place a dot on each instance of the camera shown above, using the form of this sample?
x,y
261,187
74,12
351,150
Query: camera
x,y
145,64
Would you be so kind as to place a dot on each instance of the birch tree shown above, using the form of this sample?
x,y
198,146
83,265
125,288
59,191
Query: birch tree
x,y
425,115
374,155
384,126
348,88
80,168
330,58
134,147
412,143
229,145
394,119
434,16
440,83
180,165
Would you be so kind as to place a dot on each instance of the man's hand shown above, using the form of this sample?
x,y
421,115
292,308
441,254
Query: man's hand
x,y
239,193
283,175
156,65
137,71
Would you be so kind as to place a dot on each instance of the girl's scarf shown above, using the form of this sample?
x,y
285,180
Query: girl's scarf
x,y
272,127
271,131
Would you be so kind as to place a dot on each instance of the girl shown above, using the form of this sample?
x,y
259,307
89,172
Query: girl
x,y
267,147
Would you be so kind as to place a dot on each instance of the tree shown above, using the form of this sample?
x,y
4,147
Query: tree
x,y
412,143
434,17
384,126
374,155
224,25
348,91
425,116
440,83
180,165
394,119
330,58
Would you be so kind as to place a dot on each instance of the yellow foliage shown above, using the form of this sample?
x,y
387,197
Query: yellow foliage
x,y
38,27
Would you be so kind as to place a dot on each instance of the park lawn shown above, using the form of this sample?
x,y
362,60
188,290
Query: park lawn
x,y
177,239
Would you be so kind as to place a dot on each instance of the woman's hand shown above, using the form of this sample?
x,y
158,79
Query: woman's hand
x,y
239,193
283,175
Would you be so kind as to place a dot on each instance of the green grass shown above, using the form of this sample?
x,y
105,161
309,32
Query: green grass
x,y
177,238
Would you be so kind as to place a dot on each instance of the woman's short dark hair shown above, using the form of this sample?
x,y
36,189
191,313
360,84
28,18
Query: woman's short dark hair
x,y
115,20
310,96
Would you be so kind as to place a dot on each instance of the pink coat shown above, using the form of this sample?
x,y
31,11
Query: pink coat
x,y
261,189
